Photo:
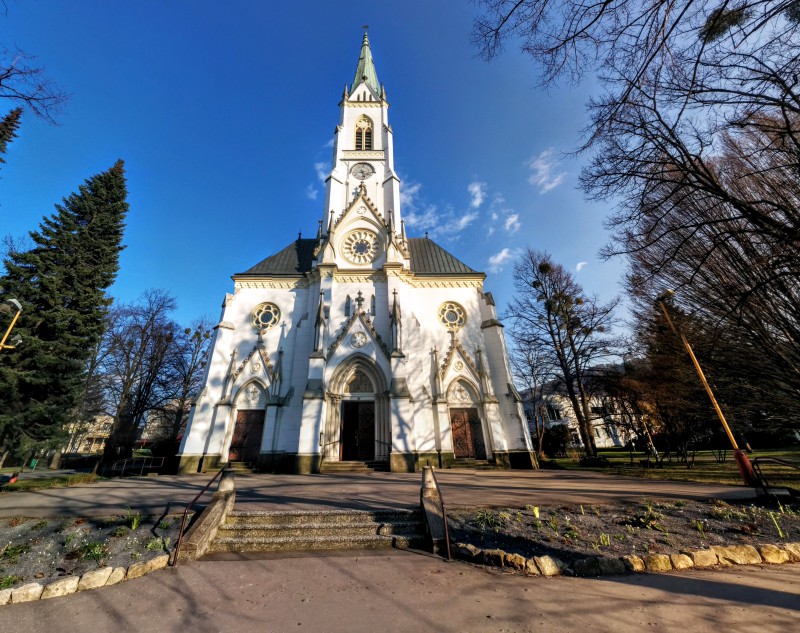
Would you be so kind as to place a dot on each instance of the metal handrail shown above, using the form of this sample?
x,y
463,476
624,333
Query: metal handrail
x,y
762,480
186,512
135,461
444,512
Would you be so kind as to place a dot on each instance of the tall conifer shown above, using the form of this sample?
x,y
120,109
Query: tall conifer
x,y
61,283
8,130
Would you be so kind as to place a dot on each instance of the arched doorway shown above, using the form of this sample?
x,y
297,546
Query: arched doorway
x,y
465,421
358,419
248,426
357,425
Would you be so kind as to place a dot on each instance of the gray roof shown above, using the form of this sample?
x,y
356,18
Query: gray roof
x,y
292,261
427,258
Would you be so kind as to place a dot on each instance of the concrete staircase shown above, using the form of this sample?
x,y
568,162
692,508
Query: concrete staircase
x,y
475,464
328,467
298,530
242,468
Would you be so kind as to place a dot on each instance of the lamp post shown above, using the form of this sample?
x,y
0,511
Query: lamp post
x,y
5,308
742,461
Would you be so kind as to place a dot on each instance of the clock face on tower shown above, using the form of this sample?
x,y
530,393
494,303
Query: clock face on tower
x,y
362,171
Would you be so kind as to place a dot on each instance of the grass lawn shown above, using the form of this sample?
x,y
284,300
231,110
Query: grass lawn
x,y
706,467
61,481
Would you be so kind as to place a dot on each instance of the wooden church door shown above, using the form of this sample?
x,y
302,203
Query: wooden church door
x,y
247,433
358,431
468,440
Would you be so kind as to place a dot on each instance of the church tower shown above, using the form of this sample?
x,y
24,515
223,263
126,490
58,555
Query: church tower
x,y
360,347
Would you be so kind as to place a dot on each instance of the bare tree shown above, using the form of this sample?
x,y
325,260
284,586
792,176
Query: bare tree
x,y
550,311
184,370
533,369
139,339
24,83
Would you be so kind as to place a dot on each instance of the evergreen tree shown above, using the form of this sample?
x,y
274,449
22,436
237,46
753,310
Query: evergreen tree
x,y
61,284
8,130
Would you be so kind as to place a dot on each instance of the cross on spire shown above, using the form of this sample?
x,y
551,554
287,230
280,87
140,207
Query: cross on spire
x,y
359,300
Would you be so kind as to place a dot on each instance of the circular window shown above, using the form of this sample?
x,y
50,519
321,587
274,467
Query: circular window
x,y
452,315
360,247
265,315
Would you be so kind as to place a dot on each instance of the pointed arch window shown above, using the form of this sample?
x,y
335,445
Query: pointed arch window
x,y
347,306
372,305
364,133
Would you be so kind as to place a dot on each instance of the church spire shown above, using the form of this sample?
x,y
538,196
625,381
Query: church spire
x,y
365,73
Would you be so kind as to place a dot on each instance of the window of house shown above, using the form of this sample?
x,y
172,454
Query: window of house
x,y
553,412
364,133
347,306
372,305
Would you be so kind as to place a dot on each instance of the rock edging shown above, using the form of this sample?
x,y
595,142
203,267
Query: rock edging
x,y
93,579
651,563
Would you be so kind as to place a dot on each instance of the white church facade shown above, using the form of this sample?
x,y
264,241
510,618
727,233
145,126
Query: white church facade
x,y
361,345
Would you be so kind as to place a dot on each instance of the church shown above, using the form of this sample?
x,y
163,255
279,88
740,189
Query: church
x,y
362,347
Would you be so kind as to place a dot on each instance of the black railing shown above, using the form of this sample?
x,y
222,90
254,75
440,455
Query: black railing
x,y
186,512
133,464
762,479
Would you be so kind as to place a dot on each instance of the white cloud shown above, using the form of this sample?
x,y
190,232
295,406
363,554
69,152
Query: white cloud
x,y
311,192
422,220
544,174
329,144
477,193
408,194
424,217
580,266
498,260
322,170
512,223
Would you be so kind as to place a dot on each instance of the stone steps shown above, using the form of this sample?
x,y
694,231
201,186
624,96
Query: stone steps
x,y
476,464
329,467
299,530
242,467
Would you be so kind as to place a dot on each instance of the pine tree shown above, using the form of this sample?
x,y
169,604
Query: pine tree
x,y
61,284
8,130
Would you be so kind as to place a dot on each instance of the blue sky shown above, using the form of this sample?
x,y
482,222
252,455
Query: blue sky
x,y
224,113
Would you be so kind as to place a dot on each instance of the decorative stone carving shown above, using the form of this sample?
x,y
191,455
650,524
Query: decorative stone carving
x,y
460,393
452,315
360,246
359,383
265,316
358,339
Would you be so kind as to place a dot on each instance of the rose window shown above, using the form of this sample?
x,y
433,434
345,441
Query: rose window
x,y
360,247
452,315
265,316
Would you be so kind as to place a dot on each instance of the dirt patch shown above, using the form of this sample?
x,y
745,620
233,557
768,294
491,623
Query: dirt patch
x,y
33,549
572,532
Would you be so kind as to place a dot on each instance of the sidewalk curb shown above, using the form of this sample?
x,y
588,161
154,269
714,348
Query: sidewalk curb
x,y
596,566
93,579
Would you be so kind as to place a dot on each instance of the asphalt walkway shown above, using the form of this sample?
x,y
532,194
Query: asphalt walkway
x,y
402,591
155,495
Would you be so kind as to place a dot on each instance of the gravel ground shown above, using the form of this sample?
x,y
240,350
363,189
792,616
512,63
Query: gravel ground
x,y
42,549
570,532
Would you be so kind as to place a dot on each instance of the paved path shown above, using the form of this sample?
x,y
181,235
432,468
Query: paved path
x,y
154,495
404,592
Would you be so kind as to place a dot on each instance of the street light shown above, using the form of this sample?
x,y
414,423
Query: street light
x,y
742,462
6,309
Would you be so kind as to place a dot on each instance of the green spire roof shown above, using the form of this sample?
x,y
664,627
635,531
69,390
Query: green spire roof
x,y
365,73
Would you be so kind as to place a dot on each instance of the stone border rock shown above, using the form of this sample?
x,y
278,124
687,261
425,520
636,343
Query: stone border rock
x,y
94,579
652,563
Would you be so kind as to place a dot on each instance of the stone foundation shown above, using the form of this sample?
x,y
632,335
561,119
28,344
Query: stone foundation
x,y
516,460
